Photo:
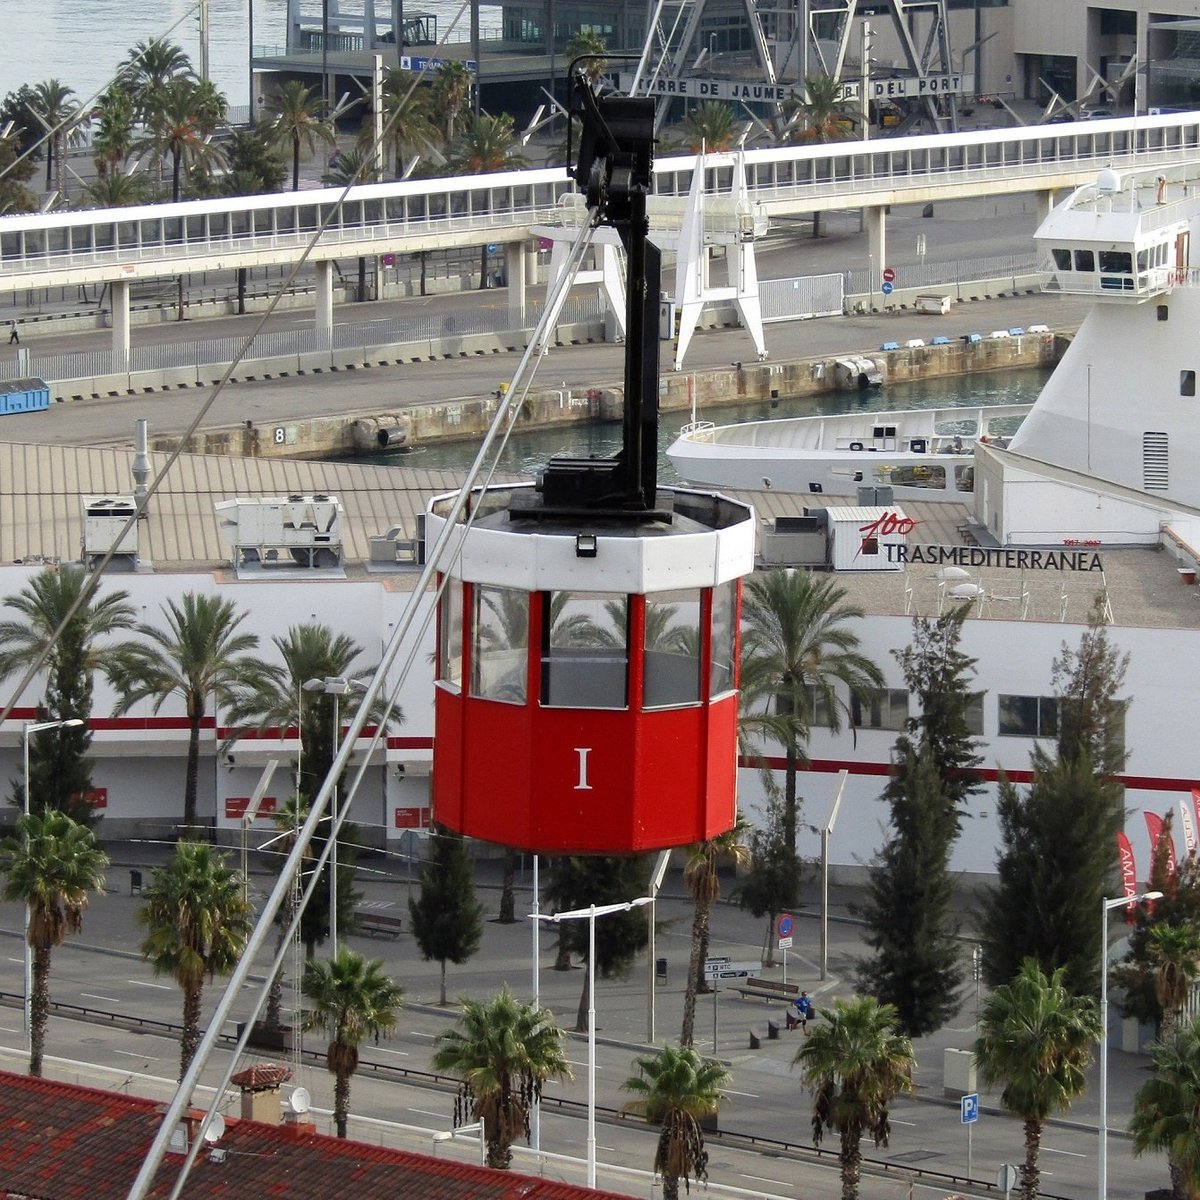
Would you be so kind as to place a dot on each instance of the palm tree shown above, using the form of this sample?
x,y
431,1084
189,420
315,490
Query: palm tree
x,y
114,190
676,1089
408,121
798,647
502,1051
709,126
701,877
351,166
589,42
49,867
856,1062
287,819
112,141
52,104
1175,949
197,922
199,654
294,118
1036,1039
180,124
820,118
150,67
451,92
351,999
1165,1107
74,651
487,144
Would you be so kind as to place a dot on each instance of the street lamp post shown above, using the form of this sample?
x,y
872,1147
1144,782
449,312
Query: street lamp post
x,y
32,727
589,915
335,686
1106,906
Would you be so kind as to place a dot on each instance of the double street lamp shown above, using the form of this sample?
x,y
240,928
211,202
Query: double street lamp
x,y
336,686
589,915
1106,906
27,730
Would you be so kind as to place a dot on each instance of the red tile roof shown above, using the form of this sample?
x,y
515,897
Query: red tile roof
x,y
62,1142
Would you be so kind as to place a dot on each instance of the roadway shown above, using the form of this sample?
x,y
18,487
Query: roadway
x,y
101,970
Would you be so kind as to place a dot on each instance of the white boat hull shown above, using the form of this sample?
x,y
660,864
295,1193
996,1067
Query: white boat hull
x,y
921,454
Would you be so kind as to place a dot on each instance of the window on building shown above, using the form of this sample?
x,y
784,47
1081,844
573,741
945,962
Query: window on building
x,y
1187,383
974,715
883,708
813,705
1028,716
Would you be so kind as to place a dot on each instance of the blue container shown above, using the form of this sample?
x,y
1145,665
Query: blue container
x,y
23,395
890,346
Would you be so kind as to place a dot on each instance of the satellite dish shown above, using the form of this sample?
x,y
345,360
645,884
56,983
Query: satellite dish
x,y
966,591
952,573
216,1128
299,1101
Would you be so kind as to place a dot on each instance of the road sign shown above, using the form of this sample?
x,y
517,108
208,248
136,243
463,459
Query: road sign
x,y
492,248
970,1108
785,943
389,260
731,970
713,960
888,289
889,274
784,924
1006,1178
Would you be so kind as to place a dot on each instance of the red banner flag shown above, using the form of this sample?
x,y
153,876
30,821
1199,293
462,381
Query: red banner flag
x,y
1187,825
1154,825
1128,873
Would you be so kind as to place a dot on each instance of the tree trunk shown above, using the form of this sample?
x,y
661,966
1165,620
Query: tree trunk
x,y
341,1102
768,950
851,1159
39,1008
191,779
1030,1175
175,177
687,1033
422,255
562,956
442,1001
702,988
241,291
190,1038
273,1017
296,164
670,1187
508,899
816,230
483,267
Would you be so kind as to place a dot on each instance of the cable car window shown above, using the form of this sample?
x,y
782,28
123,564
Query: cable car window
x,y
500,644
450,644
585,650
672,644
724,644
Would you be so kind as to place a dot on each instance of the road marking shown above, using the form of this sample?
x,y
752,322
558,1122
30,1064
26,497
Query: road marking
x,y
162,987
761,1179
8,1029
385,1050
418,1033
748,1095
426,1113
106,999
893,1121
146,1058
576,1063
1072,1153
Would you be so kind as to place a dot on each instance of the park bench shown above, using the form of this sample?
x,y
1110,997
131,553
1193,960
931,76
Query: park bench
x,y
768,989
378,923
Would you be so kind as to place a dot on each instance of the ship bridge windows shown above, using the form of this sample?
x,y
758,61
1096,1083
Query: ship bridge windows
x,y
1062,258
1085,260
1119,261
1187,383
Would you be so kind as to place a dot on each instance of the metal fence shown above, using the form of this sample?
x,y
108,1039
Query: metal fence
x,y
803,296
955,273
290,343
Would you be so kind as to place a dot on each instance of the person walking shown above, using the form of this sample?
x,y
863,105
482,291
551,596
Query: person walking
x,y
14,335
802,1006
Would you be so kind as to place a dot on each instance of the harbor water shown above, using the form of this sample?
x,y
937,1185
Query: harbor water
x,y
527,450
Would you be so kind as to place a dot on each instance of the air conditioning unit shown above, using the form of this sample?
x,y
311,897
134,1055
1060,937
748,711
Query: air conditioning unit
x,y
104,527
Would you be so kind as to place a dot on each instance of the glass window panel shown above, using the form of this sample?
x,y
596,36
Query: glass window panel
x,y
724,609
500,644
671,668
1062,259
450,649
974,715
1028,716
881,708
1115,260
585,650
1085,260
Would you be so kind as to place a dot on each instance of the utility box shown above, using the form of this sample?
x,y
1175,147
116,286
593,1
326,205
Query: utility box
x,y
933,306
306,529
792,542
104,518
958,1073
859,537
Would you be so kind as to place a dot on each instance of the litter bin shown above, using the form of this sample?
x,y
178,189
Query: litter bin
x,y
660,970
135,883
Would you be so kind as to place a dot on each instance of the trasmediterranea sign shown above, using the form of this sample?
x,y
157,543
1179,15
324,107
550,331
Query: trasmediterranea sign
x,y
983,556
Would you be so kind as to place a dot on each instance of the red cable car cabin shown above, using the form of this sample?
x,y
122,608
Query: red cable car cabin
x,y
586,681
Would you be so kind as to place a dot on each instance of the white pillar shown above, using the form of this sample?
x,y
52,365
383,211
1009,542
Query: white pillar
x,y
119,291
514,277
1045,203
324,297
876,249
